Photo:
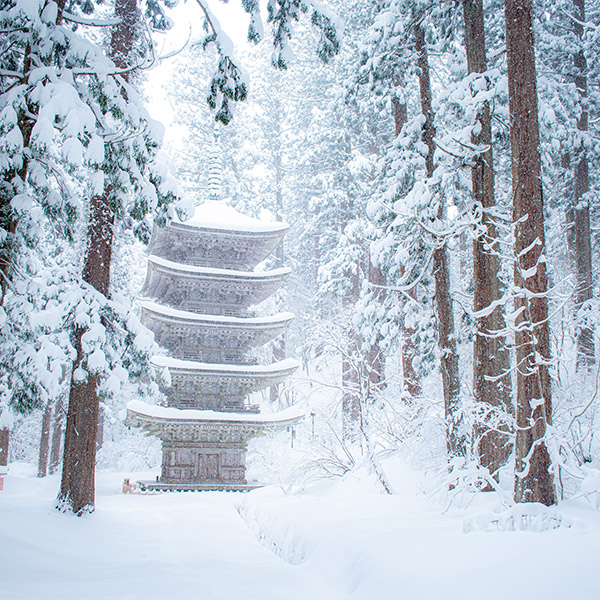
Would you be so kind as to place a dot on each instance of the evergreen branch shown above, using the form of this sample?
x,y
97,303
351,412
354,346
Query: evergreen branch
x,y
580,414
90,22
15,74
575,20
208,16
405,289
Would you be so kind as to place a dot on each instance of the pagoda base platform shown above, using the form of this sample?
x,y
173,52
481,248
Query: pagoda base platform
x,y
203,450
158,486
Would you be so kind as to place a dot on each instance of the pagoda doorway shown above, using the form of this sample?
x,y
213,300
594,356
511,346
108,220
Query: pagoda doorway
x,y
207,468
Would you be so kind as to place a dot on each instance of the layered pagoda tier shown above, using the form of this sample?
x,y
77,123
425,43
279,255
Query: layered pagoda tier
x,y
217,386
250,248
201,286
203,449
229,239
209,290
211,338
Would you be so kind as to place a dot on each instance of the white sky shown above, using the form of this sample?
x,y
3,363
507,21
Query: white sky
x,y
188,19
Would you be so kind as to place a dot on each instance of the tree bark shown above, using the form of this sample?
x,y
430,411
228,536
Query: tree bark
x,y
100,430
443,300
376,357
353,371
410,351
4,446
45,441
57,430
351,400
578,211
533,481
400,114
491,358
77,492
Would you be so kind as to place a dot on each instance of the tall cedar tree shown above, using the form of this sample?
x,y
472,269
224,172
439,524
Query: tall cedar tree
x,y
351,364
533,479
13,181
443,300
410,351
4,438
376,357
578,211
77,489
491,358
44,453
50,447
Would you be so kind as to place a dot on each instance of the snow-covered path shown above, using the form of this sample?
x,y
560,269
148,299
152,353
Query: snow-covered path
x,y
340,542
183,546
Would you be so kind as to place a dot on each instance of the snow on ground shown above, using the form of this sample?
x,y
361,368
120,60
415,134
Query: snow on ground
x,y
335,541
377,547
166,546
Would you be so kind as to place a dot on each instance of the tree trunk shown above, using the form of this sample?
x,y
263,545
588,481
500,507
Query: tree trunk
x,y
533,481
443,300
4,445
79,459
375,357
491,358
57,430
77,492
400,114
45,441
410,351
578,211
351,409
375,360
100,430
353,371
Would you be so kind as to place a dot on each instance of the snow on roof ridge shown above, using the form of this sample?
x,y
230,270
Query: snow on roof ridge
x,y
190,365
168,413
218,215
281,317
168,264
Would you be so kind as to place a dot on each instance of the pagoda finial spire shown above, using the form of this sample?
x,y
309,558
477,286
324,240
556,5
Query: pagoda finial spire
x,y
215,171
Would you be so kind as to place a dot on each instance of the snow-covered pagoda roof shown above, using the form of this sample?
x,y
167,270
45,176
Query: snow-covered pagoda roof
x,y
205,426
217,320
283,417
192,382
211,338
277,369
217,235
218,215
212,273
209,290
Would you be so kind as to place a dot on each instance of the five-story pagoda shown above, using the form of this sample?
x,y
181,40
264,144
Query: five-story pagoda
x,y
201,285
